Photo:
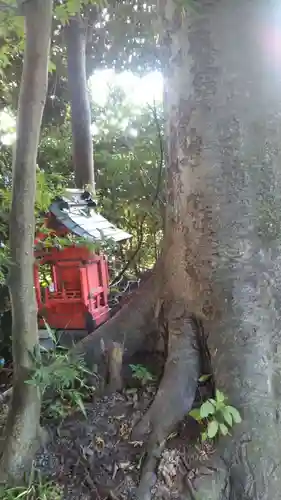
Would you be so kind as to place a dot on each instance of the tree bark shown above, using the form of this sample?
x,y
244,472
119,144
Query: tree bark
x,y
129,327
22,429
83,156
222,97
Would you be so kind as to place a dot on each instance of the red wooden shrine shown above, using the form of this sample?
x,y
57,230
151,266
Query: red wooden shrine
x,y
76,295
76,298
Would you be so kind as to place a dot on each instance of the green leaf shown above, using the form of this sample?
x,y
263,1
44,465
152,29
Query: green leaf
x,y
73,6
227,416
207,409
50,331
204,378
204,436
195,413
235,414
131,391
61,13
22,494
79,402
51,66
213,428
220,397
223,429
31,382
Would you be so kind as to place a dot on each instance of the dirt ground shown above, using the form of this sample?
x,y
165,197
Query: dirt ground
x,y
94,458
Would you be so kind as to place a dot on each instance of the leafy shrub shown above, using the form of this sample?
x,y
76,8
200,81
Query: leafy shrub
x,y
217,416
142,374
63,377
35,491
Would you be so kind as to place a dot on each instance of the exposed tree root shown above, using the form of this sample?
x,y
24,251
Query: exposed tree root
x,y
129,327
175,395
207,479
230,473
114,359
5,396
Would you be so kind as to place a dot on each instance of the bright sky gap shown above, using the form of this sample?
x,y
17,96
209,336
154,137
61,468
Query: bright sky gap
x,y
140,91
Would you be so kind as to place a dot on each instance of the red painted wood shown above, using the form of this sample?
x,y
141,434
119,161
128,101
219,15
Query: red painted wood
x,y
79,285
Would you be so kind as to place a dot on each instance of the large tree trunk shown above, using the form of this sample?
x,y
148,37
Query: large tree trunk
x,y
23,419
83,158
223,108
129,327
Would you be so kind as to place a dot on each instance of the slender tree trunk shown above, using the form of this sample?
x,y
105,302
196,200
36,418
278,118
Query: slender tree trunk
x,y
83,157
22,430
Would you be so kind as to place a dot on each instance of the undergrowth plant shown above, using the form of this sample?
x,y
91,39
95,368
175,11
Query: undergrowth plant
x,y
61,380
217,416
38,490
142,374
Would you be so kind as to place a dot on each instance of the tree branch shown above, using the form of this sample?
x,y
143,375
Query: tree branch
x,y
155,197
10,8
